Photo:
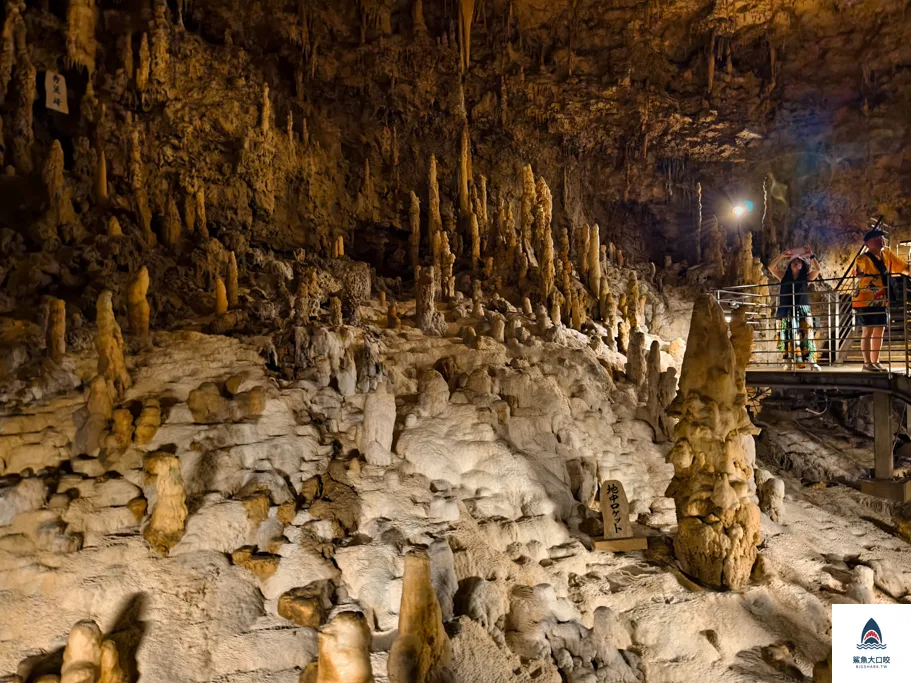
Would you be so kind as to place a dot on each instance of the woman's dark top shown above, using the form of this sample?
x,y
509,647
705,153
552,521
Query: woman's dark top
x,y
793,292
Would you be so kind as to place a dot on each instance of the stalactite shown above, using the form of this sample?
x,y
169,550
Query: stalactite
x,y
126,54
161,46
8,46
466,10
23,133
711,57
80,34
415,220
417,18
769,236
145,59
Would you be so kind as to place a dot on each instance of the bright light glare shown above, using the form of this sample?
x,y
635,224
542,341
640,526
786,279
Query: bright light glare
x,y
739,210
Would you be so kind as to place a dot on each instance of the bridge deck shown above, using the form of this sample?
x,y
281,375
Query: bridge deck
x,y
835,378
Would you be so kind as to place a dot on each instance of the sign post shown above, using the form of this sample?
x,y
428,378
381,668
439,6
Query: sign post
x,y
618,532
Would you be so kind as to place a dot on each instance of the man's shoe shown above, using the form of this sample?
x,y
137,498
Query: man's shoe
x,y
879,366
815,367
870,367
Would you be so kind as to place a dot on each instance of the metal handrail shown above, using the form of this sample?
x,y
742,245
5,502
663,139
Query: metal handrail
x,y
832,322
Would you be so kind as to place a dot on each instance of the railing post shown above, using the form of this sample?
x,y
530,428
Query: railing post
x,y
905,320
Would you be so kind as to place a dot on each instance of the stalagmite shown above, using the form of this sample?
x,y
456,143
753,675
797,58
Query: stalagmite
x,y
137,182
543,214
611,320
344,652
716,250
221,297
82,655
421,651
483,217
415,219
447,263
231,284
742,342
169,514
698,222
56,330
60,209
719,526
201,224
620,258
110,670
434,221
335,311
145,59
137,303
769,235
632,301
393,322
114,229
527,214
744,261
189,207
80,34
100,189
566,265
475,242
173,226
109,344
465,175
594,261
23,133
417,18
426,317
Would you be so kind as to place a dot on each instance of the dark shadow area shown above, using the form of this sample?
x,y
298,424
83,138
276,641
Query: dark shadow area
x,y
127,633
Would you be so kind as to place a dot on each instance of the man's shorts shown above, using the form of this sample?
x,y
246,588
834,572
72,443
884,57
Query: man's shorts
x,y
871,316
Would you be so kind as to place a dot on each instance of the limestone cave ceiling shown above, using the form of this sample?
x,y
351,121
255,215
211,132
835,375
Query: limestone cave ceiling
x,y
622,106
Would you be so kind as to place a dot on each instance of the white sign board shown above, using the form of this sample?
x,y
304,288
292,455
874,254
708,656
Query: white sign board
x,y
870,643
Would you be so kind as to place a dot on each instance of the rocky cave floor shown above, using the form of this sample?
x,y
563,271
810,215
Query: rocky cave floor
x,y
497,452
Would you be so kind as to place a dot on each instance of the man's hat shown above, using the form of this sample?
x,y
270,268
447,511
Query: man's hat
x,y
875,232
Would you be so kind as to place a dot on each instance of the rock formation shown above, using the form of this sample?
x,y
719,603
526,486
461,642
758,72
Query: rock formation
x,y
137,303
109,344
344,652
169,512
421,651
719,525
231,282
56,330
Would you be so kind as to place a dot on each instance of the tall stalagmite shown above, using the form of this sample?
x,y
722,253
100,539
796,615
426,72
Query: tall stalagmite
x,y
56,330
137,303
527,213
594,261
169,514
719,526
434,221
109,344
414,215
421,651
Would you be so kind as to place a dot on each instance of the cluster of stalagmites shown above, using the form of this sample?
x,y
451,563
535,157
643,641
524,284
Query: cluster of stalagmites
x,y
88,657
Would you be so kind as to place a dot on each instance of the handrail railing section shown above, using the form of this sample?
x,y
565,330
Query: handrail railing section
x,y
833,324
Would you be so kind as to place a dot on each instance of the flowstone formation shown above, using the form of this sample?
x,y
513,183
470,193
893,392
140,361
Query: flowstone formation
x,y
718,523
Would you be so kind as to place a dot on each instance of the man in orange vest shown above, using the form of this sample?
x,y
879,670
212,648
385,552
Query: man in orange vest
x,y
871,294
